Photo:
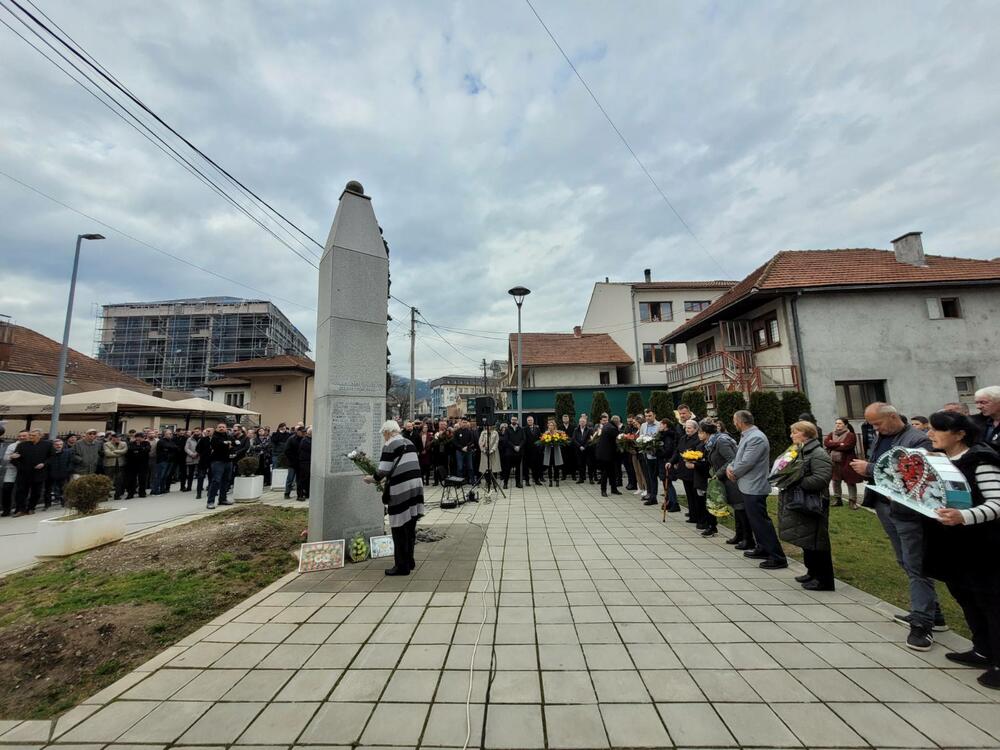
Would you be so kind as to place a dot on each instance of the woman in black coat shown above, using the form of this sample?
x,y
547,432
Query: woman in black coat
x,y
720,450
606,454
684,470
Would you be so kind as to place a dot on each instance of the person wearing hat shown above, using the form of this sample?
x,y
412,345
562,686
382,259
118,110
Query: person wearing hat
x,y
86,454
114,461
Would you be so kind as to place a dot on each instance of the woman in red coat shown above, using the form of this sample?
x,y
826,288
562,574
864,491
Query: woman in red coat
x,y
841,445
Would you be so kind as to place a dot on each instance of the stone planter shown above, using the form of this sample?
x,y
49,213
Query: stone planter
x,y
278,479
248,489
58,538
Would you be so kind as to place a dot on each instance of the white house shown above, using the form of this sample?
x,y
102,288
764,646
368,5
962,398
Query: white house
x,y
850,327
562,360
638,315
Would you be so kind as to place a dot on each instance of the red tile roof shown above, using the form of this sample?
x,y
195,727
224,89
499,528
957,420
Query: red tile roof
x,y
280,362
219,382
791,270
39,355
539,349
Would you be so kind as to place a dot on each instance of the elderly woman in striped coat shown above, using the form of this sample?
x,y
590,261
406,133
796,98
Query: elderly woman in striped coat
x,y
403,495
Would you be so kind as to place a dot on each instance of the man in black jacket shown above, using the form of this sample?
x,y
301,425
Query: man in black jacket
x,y
30,457
515,441
464,441
136,465
291,458
568,454
606,454
218,485
304,468
166,456
204,449
988,419
532,453
580,442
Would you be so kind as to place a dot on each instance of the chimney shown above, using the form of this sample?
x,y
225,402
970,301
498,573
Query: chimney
x,y
648,273
577,332
909,249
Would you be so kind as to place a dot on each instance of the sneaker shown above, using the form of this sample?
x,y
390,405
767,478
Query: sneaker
x,y
968,659
919,639
902,619
210,506
940,626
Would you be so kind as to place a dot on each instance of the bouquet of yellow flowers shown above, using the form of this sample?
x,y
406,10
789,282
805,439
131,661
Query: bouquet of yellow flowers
x,y
692,455
553,439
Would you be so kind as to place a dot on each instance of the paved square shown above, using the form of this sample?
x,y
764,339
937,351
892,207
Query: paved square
x,y
593,625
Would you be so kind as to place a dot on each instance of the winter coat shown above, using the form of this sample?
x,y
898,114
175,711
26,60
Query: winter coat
x,y
114,455
59,465
305,455
807,530
489,457
30,455
719,453
552,455
137,456
86,457
607,443
8,469
685,443
191,451
845,446
166,450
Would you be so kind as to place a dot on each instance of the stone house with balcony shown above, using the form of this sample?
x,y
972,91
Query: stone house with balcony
x,y
638,314
850,327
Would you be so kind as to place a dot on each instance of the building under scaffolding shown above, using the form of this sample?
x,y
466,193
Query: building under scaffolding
x,y
175,343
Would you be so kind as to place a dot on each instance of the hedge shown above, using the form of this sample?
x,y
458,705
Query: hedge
x,y
565,405
598,406
769,417
695,399
728,403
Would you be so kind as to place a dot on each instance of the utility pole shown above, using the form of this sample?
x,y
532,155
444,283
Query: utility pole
x,y
413,341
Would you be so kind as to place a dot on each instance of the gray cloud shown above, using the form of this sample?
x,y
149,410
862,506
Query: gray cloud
x,y
770,126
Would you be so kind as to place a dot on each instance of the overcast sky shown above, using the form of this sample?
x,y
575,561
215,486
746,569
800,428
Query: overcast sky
x,y
768,125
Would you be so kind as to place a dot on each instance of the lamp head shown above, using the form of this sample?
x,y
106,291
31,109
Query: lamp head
x,y
519,293
92,236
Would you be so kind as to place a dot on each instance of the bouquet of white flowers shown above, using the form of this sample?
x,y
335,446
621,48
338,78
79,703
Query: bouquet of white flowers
x,y
360,459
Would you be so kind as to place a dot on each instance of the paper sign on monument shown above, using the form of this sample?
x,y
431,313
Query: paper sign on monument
x,y
315,556
921,481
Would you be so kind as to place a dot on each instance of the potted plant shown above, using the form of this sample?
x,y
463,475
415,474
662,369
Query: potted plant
x,y
87,526
249,485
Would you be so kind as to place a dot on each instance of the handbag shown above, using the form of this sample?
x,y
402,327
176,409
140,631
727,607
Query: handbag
x,y
800,501
715,498
836,456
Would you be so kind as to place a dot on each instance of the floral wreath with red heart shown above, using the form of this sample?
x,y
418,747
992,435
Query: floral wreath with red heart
x,y
906,473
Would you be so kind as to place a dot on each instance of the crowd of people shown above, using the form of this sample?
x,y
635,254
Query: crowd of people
x,y
960,548
35,469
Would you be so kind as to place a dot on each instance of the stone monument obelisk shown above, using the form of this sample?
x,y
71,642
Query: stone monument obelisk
x,y
350,371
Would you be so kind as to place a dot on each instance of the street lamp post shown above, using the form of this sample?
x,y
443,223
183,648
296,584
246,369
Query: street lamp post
x,y
64,352
519,293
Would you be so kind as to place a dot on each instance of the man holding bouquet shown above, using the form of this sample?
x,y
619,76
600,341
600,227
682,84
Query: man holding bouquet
x,y
650,465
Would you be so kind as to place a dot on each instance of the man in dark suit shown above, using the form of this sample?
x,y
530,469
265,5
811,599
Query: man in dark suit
x,y
606,454
988,419
532,453
568,454
580,443
515,441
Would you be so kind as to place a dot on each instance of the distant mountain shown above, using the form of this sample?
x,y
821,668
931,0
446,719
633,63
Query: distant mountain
x,y
423,387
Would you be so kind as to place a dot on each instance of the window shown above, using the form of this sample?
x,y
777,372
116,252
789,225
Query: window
x,y
605,377
943,307
706,347
966,386
234,398
652,353
670,352
765,332
853,396
277,387
656,312
696,305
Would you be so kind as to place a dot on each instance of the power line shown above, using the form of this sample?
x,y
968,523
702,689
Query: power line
x,y
621,136
438,333
90,61
148,245
173,153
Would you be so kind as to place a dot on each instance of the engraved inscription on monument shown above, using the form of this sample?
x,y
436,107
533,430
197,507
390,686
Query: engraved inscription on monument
x,y
353,423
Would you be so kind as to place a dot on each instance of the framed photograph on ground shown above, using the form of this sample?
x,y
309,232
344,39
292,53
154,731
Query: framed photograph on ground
x,y
321,556
381,546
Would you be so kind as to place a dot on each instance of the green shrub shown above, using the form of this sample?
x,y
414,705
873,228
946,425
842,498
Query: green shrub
x,y
794,403
768,416
633,403
695,399
662,405
248,466
599,405
728,403
84,493
565,405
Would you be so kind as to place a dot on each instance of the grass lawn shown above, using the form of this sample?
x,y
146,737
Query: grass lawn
x,y
863,557
71,627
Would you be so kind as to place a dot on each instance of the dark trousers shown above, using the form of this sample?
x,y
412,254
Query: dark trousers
x,y
526,459
537,469
982,612
187,478
569,461
290,480
116,475
691,495
608,475
743,531
161,482
136,477
7,494
200,473
763,527
218,483
264,467
464,459
302,486
651,470
819,564
404,539
28,490
626,459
